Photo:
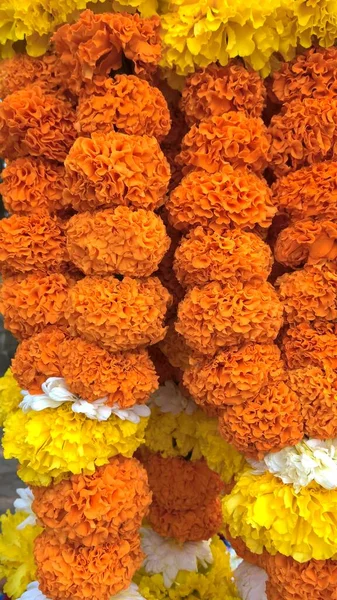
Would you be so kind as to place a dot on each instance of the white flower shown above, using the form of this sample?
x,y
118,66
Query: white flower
x,y
251,581
168,557
169,399
234,559
33,592
24,503
308,461
131,593
56,393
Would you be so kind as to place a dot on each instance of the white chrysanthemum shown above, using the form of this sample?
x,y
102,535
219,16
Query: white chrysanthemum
x,y
251,581
168,557
169,399
24,503
33,592
308,461
56,393
131,593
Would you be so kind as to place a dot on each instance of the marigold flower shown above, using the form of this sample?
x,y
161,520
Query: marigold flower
x,y
173,434
111,169
10,395
233,376
90,510
228,198
96,44
233,137
37,358
175,348
309,294
127,104
310,192
310,344
119,315
32,184
305,132
32,302
194,483
215,316
187,525
35,122
52,444
118,240
267,423
22,70
216,90
125,378
227,256
98,572
307,242
32,242
309,75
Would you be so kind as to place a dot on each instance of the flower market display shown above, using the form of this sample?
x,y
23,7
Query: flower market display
x,y
169,268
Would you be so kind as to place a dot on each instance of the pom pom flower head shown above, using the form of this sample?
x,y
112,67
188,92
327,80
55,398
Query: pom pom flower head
x,y
310,344
10,395
21,71
307,242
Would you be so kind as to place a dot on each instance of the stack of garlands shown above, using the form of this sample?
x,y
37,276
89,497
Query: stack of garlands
x,y
282,513
84,174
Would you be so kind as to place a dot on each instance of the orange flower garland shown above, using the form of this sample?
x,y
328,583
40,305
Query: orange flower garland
x,y
90,510
214,316
22,70
228,198
126,378
118,241
307,242
32,242
233,376
233,137
35,122
311,344
127,104
32,184
267,423
119,315
112,169
99,572
227,256
215,90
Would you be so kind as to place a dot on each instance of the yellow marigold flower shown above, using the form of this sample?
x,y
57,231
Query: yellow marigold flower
x,y
214,583
17,564
10,395
146,8
55,442
173,434
268,514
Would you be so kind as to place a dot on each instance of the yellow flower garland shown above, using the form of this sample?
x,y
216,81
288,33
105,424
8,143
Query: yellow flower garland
x,y
10,396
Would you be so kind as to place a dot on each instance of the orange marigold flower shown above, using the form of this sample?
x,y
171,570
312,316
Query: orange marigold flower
x,y
32,242
32,302
309,294
35,122
310,192
311,344
125,378
118,315
112,169
107,506
23,70
293,580
216,90
233,376
195,485
233,137
215,316
32,184
229,198
187,525
37,358
227,256
307,242
312,74
96,44
267,423
127,104
96,572
117,240
175,348
305,132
